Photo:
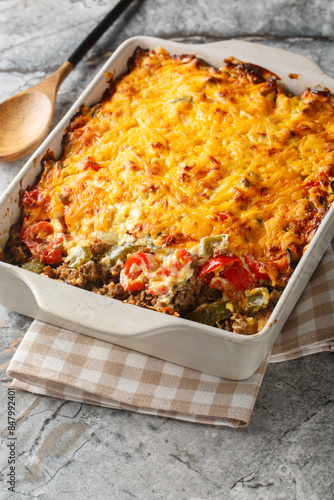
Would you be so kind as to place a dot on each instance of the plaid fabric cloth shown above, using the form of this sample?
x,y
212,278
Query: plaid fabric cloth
x,y
64,364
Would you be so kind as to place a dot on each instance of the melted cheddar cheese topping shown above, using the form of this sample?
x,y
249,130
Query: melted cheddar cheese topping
x,y
179,150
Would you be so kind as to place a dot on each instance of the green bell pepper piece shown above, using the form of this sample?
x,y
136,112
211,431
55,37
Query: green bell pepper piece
x,y
257,299
116,253
209,314
188,99
208,243
80,257
35,266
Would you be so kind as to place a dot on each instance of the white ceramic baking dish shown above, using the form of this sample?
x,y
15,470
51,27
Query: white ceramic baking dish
x,y
194,345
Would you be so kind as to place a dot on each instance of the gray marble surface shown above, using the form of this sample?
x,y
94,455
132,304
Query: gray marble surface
x,y
69,451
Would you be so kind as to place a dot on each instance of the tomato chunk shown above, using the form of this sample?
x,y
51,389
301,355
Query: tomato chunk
x,y
35,237
256,268
239,277
89,163
321,179
229,268
218,264
132,277
175,262
32,198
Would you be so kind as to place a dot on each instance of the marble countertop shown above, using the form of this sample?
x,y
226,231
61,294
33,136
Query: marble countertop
x,y
72,451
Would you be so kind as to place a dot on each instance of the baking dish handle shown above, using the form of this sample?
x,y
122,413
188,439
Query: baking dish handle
x,y
81,310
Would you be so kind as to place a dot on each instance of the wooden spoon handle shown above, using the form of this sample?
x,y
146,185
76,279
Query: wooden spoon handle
x,y
51,84
97,32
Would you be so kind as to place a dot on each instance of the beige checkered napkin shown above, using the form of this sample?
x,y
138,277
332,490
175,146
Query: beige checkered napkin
x,y
67,365
310,327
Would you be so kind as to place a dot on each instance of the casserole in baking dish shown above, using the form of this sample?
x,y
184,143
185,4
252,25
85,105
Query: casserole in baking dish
x,y
189,190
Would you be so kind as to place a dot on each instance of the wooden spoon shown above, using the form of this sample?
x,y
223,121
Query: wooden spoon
x,y
25,118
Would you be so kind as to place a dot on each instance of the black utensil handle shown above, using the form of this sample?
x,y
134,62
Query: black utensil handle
x,y
97,32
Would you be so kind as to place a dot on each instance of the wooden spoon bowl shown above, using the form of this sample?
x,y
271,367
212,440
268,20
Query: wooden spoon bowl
x,y
20,131
25,118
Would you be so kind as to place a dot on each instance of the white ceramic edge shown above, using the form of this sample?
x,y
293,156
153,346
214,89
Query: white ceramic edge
x,y
310,75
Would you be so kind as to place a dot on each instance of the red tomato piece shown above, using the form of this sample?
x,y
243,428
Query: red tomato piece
x,y
132,286
32,198
229,268
175,262
34,237
130,277
218,264
132,267
321,179
239,277
256,268
49,254
36,233
89,163
221,216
